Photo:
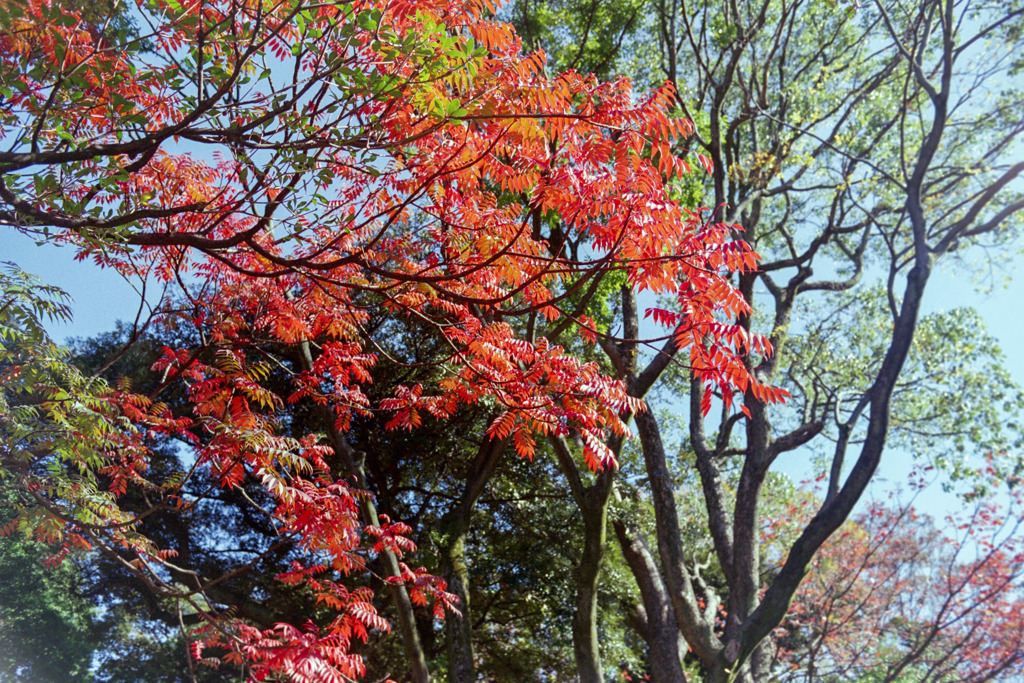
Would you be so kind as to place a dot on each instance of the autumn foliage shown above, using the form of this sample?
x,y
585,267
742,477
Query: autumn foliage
x,y
298,167
897,595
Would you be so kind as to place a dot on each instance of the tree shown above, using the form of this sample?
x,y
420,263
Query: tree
x,y
332,187
303,171
47,625
871,141
891,597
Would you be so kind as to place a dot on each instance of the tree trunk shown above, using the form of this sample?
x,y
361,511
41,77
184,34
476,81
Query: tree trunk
x,y
695,622
665,646
368,511
586,645
459,630
403,605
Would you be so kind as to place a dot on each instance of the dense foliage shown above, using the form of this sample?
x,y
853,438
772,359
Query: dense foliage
x,y
415,273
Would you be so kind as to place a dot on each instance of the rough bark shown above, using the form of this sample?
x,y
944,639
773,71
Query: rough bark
x,y
665,645
592,502
696,624
586,644
458,630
